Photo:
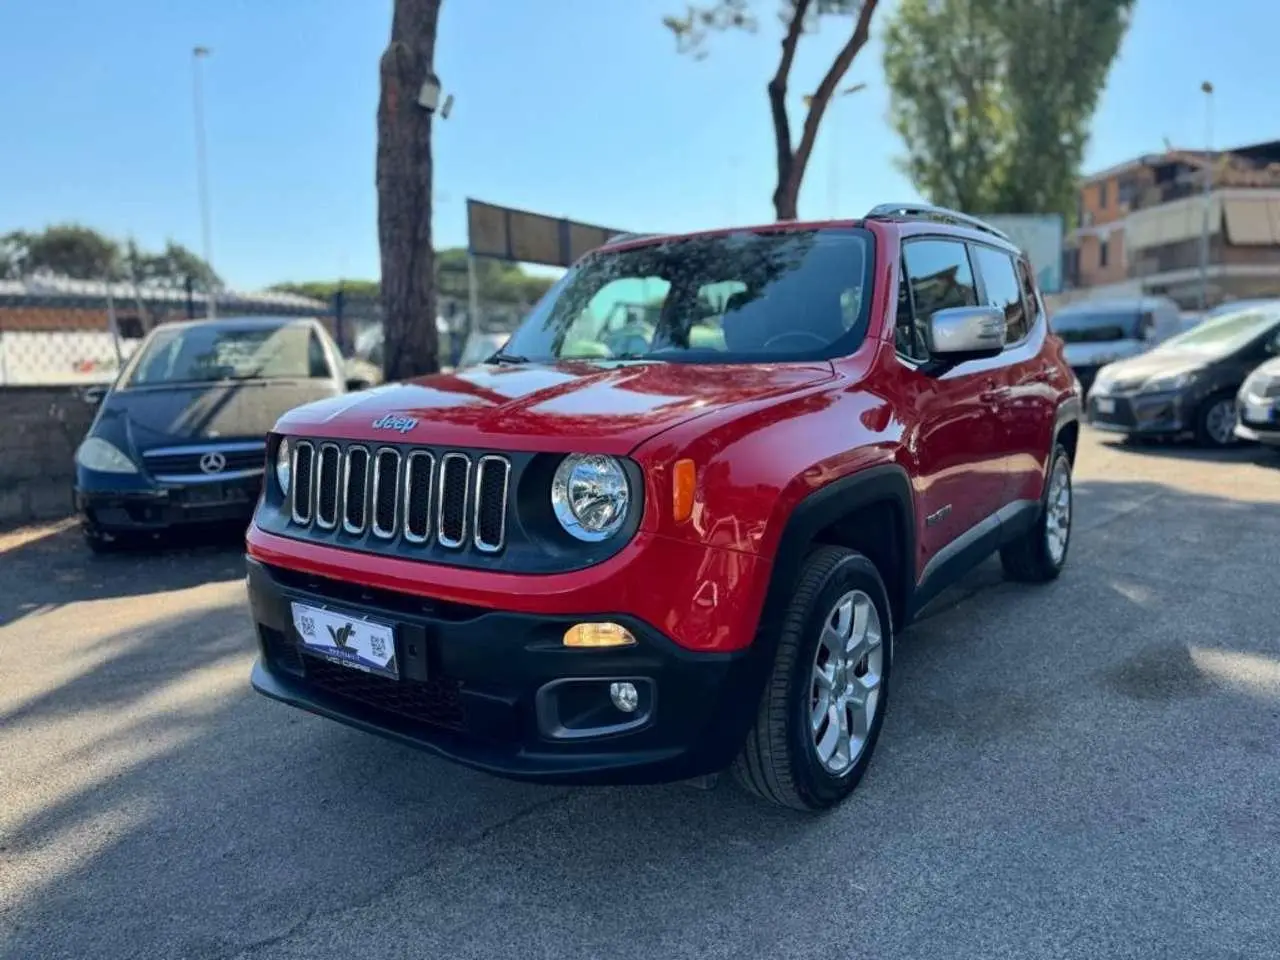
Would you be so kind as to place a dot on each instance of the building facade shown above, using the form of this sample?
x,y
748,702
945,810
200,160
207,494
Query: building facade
x,y
1141,227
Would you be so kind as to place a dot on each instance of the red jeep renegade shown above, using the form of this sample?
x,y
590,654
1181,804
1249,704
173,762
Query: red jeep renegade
x,y
677,523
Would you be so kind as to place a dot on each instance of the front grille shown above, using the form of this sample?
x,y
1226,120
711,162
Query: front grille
x,y
355,490
435,702
177,461
413,495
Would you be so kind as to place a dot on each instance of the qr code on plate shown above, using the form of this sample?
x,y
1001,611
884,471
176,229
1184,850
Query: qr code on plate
x,y
378,646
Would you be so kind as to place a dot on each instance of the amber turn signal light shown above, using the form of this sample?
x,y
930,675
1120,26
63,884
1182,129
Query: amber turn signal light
x,y
598,635
684,478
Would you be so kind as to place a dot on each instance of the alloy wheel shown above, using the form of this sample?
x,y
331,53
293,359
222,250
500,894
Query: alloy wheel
x,y
1057,512
845,688
1220,422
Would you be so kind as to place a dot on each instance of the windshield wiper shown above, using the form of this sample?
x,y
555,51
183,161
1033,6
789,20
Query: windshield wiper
x,y
512,358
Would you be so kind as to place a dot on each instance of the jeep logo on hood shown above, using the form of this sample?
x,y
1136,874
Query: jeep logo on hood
x,y
393,422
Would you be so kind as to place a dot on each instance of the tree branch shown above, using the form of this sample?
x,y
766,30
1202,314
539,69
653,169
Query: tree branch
x,y
822,96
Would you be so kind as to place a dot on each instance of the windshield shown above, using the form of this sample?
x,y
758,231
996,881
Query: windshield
x,y
742,297
1097,326
1224,334
205,353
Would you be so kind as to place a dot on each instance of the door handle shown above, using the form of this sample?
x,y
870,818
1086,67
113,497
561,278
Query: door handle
x,y
992,393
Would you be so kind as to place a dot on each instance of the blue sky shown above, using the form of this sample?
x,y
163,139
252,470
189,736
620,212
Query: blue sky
x,y
577,108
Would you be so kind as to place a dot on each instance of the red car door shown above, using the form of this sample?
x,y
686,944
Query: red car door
x,y
953,426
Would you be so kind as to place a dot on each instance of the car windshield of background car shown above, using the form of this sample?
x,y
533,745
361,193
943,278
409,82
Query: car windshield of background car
x,y
208,353
1223,335
737,298
1102,326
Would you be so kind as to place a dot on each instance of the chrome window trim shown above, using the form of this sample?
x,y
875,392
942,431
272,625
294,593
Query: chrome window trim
x,y
347,525
481,466
380,532
466,486
311,484
409,535
317,472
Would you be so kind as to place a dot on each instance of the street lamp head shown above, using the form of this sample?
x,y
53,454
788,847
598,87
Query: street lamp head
x,y
1206,87
200,51
429,94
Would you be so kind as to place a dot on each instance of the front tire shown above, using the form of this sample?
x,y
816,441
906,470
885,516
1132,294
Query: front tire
x,y
821,712
1216,422
1039,555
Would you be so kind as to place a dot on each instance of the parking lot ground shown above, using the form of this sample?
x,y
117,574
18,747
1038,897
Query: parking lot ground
x,y
1088,769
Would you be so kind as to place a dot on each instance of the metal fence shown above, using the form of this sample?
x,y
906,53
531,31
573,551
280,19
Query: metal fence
x,y
66,333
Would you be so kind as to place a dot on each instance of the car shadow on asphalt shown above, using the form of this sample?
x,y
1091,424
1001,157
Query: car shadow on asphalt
x,y
48,567
1188,450
225,823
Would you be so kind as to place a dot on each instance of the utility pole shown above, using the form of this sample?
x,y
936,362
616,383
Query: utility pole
x,y
202,175
1207,89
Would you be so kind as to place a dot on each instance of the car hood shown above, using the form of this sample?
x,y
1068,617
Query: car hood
x,y
159,416
1156,363
555,408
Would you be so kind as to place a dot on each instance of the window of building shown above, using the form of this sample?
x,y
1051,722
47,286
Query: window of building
x,y
938,276
1002,291
1103,251
1102,195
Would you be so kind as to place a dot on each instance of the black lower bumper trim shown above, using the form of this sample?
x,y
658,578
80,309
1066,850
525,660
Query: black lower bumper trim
x,y
474,685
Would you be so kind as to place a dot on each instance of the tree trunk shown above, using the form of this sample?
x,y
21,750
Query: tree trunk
x,y
792,163
411,347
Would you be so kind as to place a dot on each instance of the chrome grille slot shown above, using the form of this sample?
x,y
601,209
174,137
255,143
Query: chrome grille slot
x,y
355,490
386,492
303,481
418,469
451,509
490,519
328,464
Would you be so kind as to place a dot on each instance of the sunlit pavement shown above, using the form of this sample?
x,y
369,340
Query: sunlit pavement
x,y
1085,770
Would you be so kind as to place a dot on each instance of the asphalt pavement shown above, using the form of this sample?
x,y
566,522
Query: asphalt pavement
x,y
1088,769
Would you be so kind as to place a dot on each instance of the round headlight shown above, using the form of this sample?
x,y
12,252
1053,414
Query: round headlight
x,y
590,496
284,466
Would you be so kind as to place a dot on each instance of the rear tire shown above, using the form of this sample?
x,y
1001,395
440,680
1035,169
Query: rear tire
x,y
833,662
1039,555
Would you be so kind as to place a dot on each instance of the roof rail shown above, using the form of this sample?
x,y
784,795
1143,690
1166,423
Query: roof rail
x,y
925,211
623,237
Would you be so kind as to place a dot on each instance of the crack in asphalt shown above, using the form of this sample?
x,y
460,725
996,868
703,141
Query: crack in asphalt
x,y
426,866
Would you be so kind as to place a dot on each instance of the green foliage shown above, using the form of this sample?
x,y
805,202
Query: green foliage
x,y
496,281
71,250
993,98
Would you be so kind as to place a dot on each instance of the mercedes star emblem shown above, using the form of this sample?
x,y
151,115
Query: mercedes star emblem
x,y
213,462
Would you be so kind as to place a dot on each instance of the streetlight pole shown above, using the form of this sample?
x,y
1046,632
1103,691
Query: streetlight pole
x,y
1207,89
202,175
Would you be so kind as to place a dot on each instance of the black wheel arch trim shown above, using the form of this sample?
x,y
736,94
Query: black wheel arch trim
x,y
825,506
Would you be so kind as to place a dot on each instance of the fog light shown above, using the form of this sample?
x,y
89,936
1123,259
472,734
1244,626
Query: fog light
x,y
598,635
624,696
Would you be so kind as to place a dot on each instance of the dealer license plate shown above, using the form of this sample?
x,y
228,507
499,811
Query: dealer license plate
x,y
1258,412
1105,405
348,639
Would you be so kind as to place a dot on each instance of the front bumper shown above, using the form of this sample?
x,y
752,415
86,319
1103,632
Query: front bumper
x,y
1153,414
497,690
153,509
1259,420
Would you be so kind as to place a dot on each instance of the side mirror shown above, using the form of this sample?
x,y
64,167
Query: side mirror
x,y
957,334
357,383
93,395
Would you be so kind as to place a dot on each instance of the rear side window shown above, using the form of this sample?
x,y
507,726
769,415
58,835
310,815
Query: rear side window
x,y
1000,284
1029,295
939,276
